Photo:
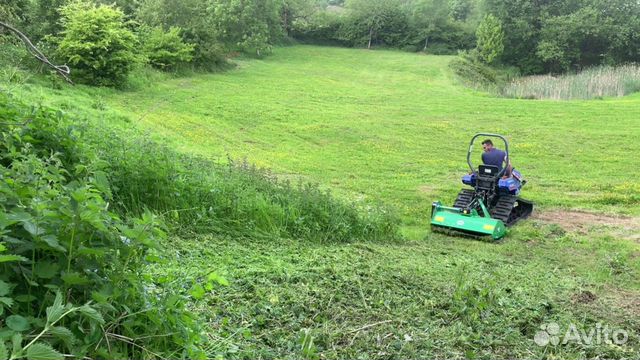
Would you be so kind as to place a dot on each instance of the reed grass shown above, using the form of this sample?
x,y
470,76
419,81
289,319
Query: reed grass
x,y
593,83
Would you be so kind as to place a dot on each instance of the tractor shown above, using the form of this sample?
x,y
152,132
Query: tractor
x,y
491,204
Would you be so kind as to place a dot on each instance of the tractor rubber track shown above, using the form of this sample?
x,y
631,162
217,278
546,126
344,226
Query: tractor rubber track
x,y
511,209
464,198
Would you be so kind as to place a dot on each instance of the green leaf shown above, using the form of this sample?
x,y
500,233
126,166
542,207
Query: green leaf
x,y
25,298
55,311
16,342
17,216
5,221
101,182
6,301
64,334
97,252
197,291
79,195
92,216
11,240
8,258
4,355
74,278
4,288
91,313
42,351
32,228
52,241
46,269
218,278
17,323
152,258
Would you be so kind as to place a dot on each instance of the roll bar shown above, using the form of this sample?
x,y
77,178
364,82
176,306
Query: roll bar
x,y
506,150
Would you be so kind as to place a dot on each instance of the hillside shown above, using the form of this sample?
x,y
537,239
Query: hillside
x,y
391,127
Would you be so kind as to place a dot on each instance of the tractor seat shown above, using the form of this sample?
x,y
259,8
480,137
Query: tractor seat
x,y
488,170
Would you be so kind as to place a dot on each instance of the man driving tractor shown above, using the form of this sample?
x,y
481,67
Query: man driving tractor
x,y
494,156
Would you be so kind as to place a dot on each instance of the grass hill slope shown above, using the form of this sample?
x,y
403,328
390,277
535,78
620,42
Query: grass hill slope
x,y
393,127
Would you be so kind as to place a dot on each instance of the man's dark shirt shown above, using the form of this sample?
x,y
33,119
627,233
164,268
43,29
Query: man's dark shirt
x,y
494,157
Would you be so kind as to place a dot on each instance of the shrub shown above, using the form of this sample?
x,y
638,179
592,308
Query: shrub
x,y
194,18
320,28
96,43
210,56
165,50
490,39
60,245
440,49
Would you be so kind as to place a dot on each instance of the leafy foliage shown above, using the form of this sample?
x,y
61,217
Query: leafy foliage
x,y
195,20
296,298
44,16
490,39
249,26
377,21
96,42
165,50
561,35
427,25
237,198
58,236
537,37
13,11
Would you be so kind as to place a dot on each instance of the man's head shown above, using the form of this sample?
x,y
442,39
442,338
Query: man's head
x,y
487,145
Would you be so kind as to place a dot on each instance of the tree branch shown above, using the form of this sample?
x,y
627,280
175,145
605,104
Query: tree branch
x,y
63,70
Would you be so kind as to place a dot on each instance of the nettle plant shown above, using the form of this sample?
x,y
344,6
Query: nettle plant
x,y
71,271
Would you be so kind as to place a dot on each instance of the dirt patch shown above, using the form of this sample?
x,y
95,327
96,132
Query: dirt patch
x,y
625,301
584,297
582,221
612,304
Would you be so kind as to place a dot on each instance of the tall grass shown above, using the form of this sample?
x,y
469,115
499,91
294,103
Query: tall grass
x,y
196,195
597,82
237,198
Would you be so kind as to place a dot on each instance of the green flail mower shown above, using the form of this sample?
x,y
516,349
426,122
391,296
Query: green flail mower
x,y
490,207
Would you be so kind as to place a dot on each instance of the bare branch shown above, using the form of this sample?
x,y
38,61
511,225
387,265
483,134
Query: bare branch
x,y
63,70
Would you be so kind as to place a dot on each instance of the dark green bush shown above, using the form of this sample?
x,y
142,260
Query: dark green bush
x,y
165,50
61,244
441,49
13,11
96,43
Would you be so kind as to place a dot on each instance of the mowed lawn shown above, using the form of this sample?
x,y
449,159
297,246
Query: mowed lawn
x,y
393,127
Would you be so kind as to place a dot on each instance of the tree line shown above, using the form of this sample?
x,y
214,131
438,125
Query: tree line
x,y
536,36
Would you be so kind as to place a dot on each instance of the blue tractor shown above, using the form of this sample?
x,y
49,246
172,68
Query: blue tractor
x,y
490,207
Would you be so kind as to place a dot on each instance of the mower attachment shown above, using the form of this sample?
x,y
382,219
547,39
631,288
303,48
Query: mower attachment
x,y
465,221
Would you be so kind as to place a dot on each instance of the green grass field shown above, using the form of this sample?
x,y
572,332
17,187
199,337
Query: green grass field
x,y
393,127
